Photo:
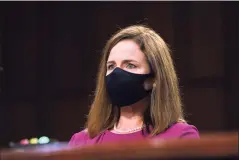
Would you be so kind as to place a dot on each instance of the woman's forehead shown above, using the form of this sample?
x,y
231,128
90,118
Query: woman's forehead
x,y
126,50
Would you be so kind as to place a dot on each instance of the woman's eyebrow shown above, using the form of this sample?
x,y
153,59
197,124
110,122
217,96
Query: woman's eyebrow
x,y
124,61
110,62
129,60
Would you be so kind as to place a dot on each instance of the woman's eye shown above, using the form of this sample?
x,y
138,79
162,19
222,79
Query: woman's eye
x,y
130,66
110,67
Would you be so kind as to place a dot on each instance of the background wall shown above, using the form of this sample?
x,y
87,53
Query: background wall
x,y
50,53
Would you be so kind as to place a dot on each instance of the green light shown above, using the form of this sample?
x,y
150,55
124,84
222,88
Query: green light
x,y
43,140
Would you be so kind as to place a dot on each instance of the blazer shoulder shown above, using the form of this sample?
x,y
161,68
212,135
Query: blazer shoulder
x,y
186,130
79,138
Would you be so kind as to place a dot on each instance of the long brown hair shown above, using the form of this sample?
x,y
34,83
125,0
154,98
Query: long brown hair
x,y
165,105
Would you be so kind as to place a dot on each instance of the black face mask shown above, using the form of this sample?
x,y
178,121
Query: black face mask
x,y
125,88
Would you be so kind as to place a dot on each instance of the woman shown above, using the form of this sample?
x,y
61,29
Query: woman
x,y
137,94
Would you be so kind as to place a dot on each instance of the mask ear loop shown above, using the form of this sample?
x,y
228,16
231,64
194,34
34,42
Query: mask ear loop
x,y
152,74
152,97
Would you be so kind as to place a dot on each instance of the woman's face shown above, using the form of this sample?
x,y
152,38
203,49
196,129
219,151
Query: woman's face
x,y
127,55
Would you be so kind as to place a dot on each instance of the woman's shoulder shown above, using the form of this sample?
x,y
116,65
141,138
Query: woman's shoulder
x,y
79,138
182,130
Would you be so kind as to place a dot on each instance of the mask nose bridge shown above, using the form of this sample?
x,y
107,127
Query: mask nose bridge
x,y
119,67
114,70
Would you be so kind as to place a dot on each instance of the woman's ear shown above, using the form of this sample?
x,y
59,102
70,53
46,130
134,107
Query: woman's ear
x,y
148,84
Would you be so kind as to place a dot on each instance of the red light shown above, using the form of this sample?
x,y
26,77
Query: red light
x,y
24,142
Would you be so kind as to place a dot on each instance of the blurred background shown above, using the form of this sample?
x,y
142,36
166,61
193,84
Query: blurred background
x,y
50,52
